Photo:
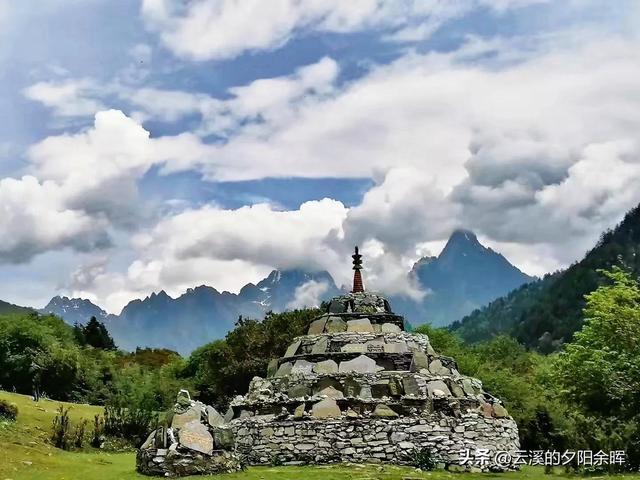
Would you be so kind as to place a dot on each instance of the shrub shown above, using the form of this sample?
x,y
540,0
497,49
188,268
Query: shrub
x,y
8,411
424,459
79,434
97,437
61,434
132,425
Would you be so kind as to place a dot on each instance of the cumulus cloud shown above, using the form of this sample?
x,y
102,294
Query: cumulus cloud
x,y
533,149
35,219
220,247
67,98
308,294
217,29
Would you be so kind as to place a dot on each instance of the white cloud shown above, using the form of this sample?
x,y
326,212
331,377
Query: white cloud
x,y
220,29
67,98
534,149
308,294
35,219
219,247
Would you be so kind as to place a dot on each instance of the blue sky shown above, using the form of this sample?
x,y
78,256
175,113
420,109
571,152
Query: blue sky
x,y
160,144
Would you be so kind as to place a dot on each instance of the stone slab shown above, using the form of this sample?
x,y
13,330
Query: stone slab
x,y
354,348
195,436
284,370
327,408
419,361
302,367
326,366
361,325
320,346
293,348
390,328
213,417
438,389
317,326
335,325
192,413
361,364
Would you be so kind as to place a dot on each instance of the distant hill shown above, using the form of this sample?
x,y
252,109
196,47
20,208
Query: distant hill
x,y
546,313
465,276
198,316
8,308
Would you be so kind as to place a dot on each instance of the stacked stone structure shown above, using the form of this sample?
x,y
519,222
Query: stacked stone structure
x,y
359,388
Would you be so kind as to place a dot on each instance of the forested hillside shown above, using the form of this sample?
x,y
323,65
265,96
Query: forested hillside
x,y
546,313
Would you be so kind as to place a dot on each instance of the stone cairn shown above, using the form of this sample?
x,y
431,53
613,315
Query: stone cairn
x,y
198,442
357,388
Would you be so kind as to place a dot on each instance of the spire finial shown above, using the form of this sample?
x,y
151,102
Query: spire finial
x,y
357,276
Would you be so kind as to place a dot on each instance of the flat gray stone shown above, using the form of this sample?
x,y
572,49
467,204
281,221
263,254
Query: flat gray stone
x,y
395,386
437,368
193,413
213,417
396,347
457,390
335,325
299,411
361,364
467,386
298,390
411,386
499,411
331,392
272,368
195,436
362,325
317,326
293,348
284,370
302,367
365,392
354,348
320,346
150,442
383,411
419,361
326,366
437,388
327,408
390,328
228,416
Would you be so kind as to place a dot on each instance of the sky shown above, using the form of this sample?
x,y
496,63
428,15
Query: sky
x,y
165,144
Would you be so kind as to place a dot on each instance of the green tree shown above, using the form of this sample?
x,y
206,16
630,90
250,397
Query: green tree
x,y
600,369
599,372
96,335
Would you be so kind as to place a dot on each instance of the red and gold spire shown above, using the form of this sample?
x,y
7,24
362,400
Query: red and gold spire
x,y
358,286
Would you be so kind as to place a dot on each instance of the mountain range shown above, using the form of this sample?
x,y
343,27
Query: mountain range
x,y
546,313
465,276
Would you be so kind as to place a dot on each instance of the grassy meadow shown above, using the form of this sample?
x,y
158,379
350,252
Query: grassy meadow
x,y
25,454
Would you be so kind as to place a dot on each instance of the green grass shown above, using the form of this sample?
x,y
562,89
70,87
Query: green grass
x,y
26,454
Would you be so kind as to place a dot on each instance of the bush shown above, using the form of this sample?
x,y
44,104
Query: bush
x,y
8,411
79,434
61,430
424,459
132,425
97,437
